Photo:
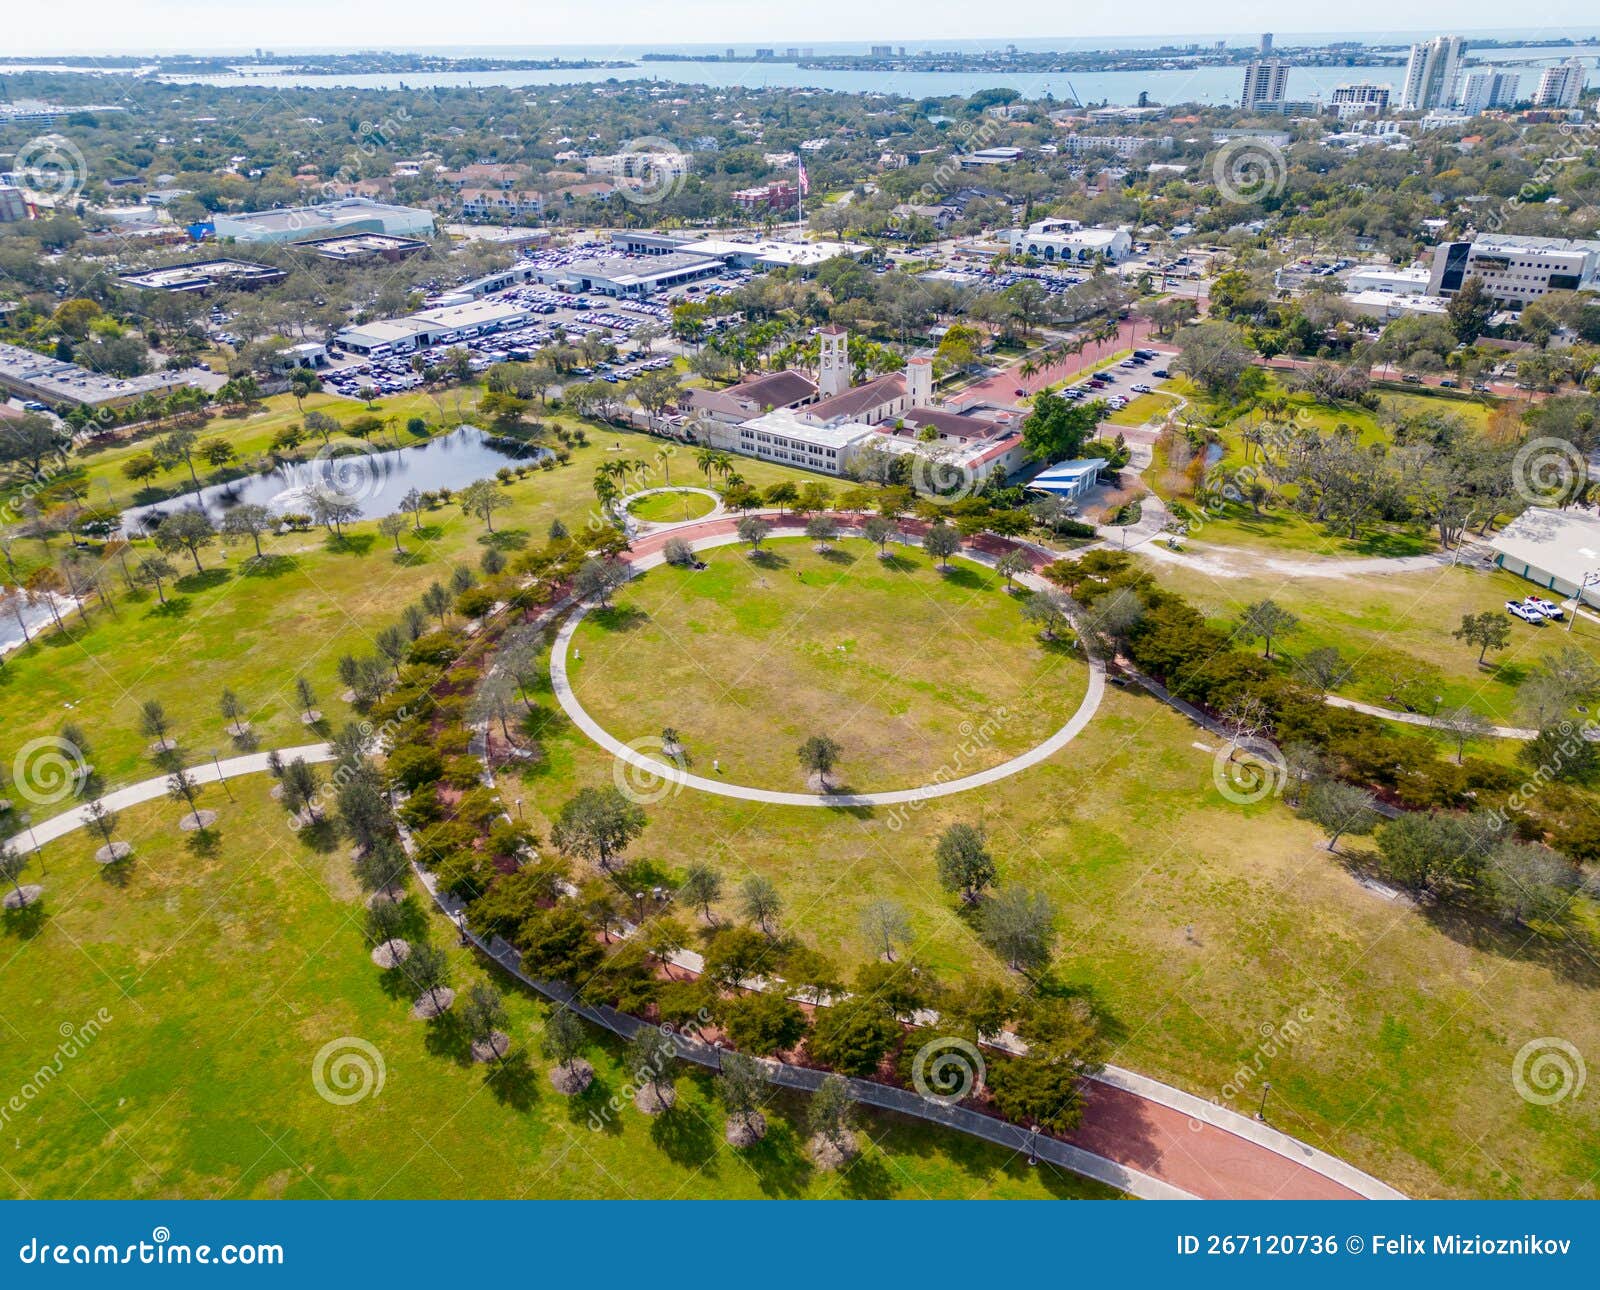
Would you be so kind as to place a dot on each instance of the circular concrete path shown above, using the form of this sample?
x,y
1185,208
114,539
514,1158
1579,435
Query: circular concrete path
x,y
674,774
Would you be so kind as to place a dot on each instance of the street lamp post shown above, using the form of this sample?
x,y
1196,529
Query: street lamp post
x,y
27,823
1589,580
1033,1144
1261,1111
215,761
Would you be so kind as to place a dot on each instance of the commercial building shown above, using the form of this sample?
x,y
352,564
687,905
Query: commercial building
x,y
36,378
202,275
1561,86
1431,73
1515,269
1068,240
1069,479
1479,91
356,247
628,276
984,157
331,219
492,203
1363,100
1123,145
769,254
445,325
1558,550
1410,281
1386,306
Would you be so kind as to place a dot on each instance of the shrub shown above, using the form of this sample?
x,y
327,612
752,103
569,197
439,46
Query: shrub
x,y
437,648
414,765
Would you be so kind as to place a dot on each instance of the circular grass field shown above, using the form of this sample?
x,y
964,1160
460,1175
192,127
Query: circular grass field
x,y
670,507
918,674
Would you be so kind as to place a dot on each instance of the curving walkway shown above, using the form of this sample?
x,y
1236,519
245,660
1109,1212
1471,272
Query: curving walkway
x,y
674,774
148,790
1417,719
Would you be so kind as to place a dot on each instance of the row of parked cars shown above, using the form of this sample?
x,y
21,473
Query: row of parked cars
x,y
1534,609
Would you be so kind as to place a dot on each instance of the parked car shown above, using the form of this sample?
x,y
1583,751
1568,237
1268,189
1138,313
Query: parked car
x,y
1519,610
1548,608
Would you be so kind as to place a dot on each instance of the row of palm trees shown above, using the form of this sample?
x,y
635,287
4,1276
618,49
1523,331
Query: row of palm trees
x,y
1048,355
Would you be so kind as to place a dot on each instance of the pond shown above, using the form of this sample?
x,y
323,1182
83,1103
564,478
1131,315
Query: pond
x,y
375,479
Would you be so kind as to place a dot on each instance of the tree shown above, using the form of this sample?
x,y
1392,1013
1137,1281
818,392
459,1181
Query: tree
x,y
437,600
1010,564
303,381
852,1036
1215,354
482,499
1057,428
1050,609
830,1115
822,529
701,885
597,824
1339,808
101,820
754,530
182,787
1020,926
819,755
759,899
186,530
307,698
941,541
1264,620
153,722
743,1089
392,526
427,970
597,579
247,520
13,864
178,448
1486,630
652,1062
762,1023
964,862
155,571
1470,310
784,493
486,1019
1464,725
334,510
413,504
885,925
878,531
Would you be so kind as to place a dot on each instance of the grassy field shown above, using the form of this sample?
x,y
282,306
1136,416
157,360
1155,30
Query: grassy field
x,y
671,508
215,976
1200,926
1395,630
255,627
898,662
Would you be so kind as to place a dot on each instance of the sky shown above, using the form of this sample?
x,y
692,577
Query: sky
x,y
82,26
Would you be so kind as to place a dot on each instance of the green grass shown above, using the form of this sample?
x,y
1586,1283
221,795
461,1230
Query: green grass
x,y
908,668
255,627
1395,630
1200,926
222,971
671,508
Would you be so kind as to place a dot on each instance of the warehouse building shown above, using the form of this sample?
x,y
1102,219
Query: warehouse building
x,y
201,276
447,325
39,379
330,219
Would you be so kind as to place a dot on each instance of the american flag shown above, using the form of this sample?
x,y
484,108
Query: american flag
x,y
805,183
